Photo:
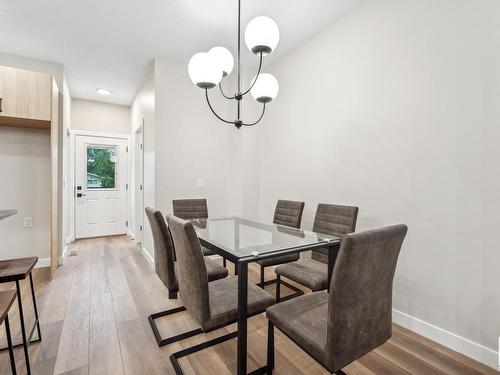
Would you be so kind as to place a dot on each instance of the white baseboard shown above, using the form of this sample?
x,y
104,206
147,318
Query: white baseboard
x,y
61,258
131,235
44,262
449,339
149,258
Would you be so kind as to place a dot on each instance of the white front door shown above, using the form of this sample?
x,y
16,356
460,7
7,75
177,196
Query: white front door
x,y
101,186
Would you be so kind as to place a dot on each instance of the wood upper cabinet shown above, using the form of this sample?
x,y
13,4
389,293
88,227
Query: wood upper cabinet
x,y
25,97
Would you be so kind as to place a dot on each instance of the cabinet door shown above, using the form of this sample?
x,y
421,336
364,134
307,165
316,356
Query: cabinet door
x,y
25,94
8,91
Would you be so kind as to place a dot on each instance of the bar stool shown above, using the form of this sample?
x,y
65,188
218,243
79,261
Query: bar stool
x,y
15,270
6,300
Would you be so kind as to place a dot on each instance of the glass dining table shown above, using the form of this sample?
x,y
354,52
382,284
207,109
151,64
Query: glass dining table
x,y
243,241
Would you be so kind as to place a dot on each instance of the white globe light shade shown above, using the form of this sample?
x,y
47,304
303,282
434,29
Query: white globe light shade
x,y
204,71
266,88
223,58
262,35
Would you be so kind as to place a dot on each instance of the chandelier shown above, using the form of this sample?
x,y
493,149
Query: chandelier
x,y
208,69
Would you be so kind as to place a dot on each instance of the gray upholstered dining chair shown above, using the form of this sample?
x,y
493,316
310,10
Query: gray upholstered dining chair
x,y
190,209
287,213
355,316
166,268
215,304
330,219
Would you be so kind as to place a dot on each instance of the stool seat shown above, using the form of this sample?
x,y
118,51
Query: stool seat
x,y
16,269
7,298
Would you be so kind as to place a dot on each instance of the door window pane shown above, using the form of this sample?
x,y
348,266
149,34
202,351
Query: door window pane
x,y
101,167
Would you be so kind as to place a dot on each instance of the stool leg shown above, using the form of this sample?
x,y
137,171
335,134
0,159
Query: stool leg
x,y
278,288
9,344
35,307
23,328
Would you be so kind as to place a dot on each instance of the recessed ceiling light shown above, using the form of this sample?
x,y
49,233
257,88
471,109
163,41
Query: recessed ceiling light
x,y
102,91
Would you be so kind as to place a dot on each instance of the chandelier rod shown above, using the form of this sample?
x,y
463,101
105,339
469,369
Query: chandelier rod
x,y
239,62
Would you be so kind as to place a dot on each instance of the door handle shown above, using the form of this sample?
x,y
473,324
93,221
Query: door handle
x,y
1,105
79,195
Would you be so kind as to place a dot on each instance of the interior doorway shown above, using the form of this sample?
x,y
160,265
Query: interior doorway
x,y
101,172
139,183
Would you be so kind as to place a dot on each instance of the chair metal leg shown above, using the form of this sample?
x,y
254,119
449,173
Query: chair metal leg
x,y
224,263
262,273
9,345
196,348
270,347
278,288
172,295
169,340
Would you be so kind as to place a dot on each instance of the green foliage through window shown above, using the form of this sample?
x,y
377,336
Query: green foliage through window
x,y
101,167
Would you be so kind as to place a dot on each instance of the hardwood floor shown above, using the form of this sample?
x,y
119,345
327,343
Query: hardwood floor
x,y
94,321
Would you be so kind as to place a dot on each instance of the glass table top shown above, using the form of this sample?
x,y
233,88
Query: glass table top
x,y
247,238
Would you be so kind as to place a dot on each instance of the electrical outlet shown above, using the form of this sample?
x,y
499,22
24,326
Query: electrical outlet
x,y
28,222
200,183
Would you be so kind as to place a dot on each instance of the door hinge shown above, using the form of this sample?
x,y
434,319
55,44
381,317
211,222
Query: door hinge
x,y
140,228
141,146
126,186
126,223
126,148
141,187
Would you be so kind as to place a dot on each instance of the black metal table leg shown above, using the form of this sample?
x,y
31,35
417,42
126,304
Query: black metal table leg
x,y
242,317
333,251
9,345
23,328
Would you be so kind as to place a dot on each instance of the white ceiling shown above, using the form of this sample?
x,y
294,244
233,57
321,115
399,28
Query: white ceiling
x,y
110,43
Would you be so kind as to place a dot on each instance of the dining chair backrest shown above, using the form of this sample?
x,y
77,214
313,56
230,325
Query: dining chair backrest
x,y
335,220
163,248
189,209
360,297
191,270
288,213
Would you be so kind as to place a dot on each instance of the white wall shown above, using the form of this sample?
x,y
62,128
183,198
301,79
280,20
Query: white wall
x,y
25,176
394,108
143,112
192,144
100,117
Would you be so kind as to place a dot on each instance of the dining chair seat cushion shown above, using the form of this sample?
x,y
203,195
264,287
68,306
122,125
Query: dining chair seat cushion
x,y
279,260
304,320
214,272
308,272
207,251
224,302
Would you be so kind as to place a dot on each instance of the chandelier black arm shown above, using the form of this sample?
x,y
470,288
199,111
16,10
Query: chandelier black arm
x,y
247,91
216,115
255,80
260,118
224,95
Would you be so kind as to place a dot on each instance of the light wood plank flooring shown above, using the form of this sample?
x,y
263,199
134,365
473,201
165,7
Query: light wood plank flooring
x,y
94,321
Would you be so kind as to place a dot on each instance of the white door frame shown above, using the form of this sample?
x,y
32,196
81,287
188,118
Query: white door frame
x,y
74,133
139,183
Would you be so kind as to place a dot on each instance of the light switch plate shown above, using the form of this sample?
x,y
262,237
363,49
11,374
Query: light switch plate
x,y
28,222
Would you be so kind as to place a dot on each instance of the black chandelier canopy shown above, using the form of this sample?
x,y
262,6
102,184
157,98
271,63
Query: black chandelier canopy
x,y
208,69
